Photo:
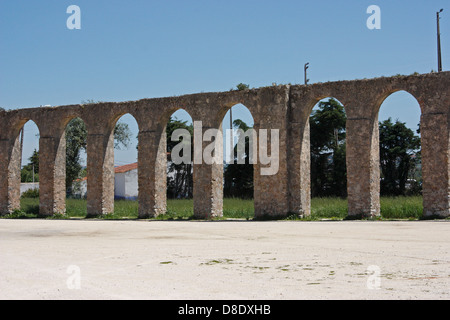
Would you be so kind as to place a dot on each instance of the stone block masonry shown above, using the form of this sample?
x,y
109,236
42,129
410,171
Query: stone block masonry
x,y
285,108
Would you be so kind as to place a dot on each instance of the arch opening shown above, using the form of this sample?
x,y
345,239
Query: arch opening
x,y
125,144
28,146
179,135
239,156
400,156
328,168
76,168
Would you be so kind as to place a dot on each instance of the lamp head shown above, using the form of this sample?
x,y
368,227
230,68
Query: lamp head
x,y
441,10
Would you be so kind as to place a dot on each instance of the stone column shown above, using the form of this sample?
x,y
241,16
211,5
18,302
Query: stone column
x,y
363,170
435,138
52,175
299,162
208,177
10,155
271,194
152,173
100,174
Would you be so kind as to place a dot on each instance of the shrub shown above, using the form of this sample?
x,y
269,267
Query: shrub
x,y
31,193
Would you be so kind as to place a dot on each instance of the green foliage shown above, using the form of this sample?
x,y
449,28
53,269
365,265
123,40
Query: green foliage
x,y
76,140
242,86
400,157
180,181
122,136
328,158
26,174
239,177
31,193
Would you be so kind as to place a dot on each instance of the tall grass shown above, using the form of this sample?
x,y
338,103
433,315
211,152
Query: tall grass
x,y
402,207
328,208
321,208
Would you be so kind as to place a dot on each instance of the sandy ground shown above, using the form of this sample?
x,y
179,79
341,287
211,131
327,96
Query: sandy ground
x,y
89,259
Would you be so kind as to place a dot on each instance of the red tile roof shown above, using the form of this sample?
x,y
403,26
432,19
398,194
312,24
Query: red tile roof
x,y
121,169
126,168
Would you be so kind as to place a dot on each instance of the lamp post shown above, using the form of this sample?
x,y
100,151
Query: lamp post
x,y
306,78
439,41
231,137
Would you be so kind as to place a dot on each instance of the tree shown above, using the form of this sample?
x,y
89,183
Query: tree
x,y
242,86
30,172
399,156
328,162
76,140
180,176
239,177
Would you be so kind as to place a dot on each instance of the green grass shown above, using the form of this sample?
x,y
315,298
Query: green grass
x,y
321,208
401,207
328,208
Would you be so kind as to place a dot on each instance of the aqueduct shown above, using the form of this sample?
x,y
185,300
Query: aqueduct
x,y
285,107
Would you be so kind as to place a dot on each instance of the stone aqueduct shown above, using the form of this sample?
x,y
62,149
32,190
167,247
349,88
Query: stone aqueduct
x,y
286,108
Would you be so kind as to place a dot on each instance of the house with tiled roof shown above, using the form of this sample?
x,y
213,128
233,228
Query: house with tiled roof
x,y
125,183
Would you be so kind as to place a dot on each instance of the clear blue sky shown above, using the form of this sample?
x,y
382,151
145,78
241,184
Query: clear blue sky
x,y
129,50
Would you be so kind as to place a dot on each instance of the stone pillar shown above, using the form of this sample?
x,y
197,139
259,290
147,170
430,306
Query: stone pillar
x,y
152,173
100,174
435,138
299,162
52,175
10,155
208,177
363,169
271,192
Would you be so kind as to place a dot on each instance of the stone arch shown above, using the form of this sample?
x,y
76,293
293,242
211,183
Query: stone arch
x,y
388,93
243,113
411,107
208,178
125,156
435,142
16,160
100,154
100,119
153,161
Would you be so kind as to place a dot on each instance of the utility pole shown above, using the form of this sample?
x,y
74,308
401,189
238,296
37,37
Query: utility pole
x,y
21,144
231,137
306,77
439,41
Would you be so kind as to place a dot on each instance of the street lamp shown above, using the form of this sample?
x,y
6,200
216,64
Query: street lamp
x,y
306,78
439,41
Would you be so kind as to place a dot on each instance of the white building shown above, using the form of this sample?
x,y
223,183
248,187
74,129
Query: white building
x,y
125,183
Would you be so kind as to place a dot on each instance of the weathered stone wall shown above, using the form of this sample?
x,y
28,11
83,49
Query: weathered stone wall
x,y
285,108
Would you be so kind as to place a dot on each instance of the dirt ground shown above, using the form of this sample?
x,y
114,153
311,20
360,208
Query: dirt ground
x,y
88,259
